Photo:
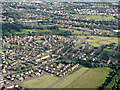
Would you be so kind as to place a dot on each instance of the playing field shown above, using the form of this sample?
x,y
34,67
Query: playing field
x,y
41,82
26,31
69,79
94,16
98,40
91,79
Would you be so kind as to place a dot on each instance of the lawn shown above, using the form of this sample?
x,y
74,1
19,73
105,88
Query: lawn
x,y
69,79
94,16
41,82
91,79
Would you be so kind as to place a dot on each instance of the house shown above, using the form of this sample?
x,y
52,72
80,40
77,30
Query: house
x,y
75,66
60,75
84,59
59,49
14,63
21,78
8,77
59,65
10,87
37,74
3,71
12,79
37,60
44,62
45,56
108,62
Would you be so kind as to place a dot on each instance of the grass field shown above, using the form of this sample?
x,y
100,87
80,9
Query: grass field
x,y
92,79
69,79
95,44
41,82
98,40
82,37
63,29
81,78
27,31
76,32
71,30
94,16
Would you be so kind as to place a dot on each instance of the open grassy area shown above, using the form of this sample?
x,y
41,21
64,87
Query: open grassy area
x,y
94,16
71,30
27,31
69,79
91,79
64,29
41,82
95,44
76,32
98,40
82,37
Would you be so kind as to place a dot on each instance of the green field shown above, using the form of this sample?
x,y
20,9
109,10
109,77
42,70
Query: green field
x,y
76,32
27,31
81,78
41,82
92,79
69,79
94,16
98,40
64,29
